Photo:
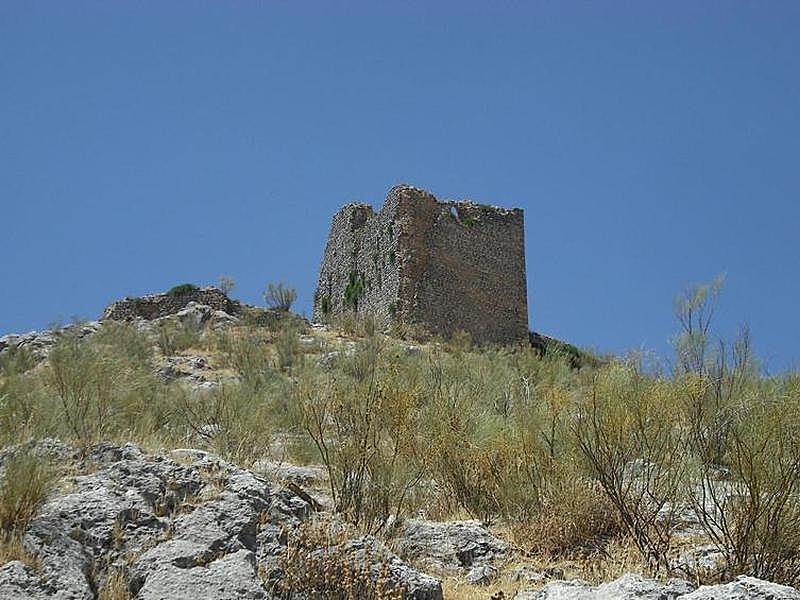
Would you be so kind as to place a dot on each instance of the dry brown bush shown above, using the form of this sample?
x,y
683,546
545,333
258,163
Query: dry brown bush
x,y
576,519
318,566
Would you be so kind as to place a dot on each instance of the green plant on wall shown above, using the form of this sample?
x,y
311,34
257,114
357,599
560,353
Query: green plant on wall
x,y
181,289
325,304
470,221
354,290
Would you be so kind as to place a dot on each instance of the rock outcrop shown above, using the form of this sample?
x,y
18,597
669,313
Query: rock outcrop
x,y
198,308
744,588
464,548
185,524
38,343
636,587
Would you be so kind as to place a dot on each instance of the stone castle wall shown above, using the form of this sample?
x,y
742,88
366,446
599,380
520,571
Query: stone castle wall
x,y
474,279
160,305
448,266
360,268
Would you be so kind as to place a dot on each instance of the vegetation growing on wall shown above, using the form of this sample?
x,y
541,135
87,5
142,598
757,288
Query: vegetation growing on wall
x,y
325,304
183,288
354,290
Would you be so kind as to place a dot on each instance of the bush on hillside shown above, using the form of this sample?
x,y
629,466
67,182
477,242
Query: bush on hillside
x,y
280,296
181,289
24,486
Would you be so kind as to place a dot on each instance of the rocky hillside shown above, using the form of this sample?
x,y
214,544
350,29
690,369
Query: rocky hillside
x,y
184,524
174,449
187,524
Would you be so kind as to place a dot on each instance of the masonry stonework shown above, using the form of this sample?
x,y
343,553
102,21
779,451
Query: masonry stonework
x,y
445,265
160,305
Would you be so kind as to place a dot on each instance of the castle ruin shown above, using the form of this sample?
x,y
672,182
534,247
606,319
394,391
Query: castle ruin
x,y
444,265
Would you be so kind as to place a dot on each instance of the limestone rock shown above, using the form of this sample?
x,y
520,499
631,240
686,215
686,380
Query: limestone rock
x,y
303,475
198,315
744,588
21,582
627,587
183,525
180,367
528,575
481,575
231,577
636,587
39,343
449,547
699,559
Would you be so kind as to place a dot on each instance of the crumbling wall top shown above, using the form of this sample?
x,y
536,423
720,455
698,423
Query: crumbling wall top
x,y
154,306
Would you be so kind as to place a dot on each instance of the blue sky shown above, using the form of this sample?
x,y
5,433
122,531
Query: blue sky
x,y
651,144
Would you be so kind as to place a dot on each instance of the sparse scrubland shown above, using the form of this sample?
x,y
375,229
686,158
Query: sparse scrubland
x,y
598,469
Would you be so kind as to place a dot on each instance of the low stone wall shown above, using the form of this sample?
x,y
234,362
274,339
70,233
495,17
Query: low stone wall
x,y
154,306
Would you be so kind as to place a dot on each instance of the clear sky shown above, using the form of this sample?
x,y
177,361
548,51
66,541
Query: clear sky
x,y
651,144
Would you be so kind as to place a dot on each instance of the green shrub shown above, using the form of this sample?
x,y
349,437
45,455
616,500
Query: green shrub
x,y
100,389
356,324
176,336
630,435
287,347
270,319
752,512
181,289
25,484
249,354
575,519
233,420
26,408
365,422
16,360
484,446
124,341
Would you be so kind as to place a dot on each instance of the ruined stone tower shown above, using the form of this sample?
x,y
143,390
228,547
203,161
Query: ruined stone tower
x,y
448,266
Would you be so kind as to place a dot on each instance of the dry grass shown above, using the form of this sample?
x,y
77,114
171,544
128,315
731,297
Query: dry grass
x,y
12,548
115,587
26,482
577,519
619,556
318,566
455,588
